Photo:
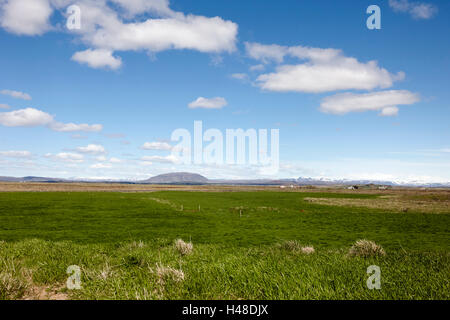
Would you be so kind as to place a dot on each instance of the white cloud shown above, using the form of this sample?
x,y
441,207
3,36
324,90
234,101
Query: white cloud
x,y
92,149
240,76
99,58
16,94
101,166
31,117
115,160
123,25
205,103
134,7
345,74
156,146
4,106
28,117
72,127
161,159
389,111
66,157
199,33
386,101
321,70
265,53
258,67
25,17
418,10
16,154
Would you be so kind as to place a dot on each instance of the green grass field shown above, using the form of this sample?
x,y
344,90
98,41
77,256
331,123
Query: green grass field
x,y
123,243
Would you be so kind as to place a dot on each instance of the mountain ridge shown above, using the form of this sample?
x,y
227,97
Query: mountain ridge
x,y
188,178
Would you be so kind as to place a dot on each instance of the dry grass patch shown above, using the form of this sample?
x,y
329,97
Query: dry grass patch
x,y
365,248
297,247
168,273
308,250
184,248
388,202
11,287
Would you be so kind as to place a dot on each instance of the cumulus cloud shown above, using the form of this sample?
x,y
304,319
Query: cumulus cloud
x,y
66,157
16,94
4,106
25,17
389,111
265,53
156,146
161,159
16,154
212,35
97,59
321,70
30,117
123,25
205,103
386,101
92,149
417,10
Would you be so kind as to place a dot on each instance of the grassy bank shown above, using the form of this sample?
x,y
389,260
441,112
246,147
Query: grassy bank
x,y
138,270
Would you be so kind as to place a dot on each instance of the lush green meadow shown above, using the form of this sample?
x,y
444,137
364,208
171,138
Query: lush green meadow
x,y
123,243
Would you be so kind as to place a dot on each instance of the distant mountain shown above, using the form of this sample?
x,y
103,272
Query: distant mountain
x,y
31,179
187,178
10,179
253,182
177,178
42,179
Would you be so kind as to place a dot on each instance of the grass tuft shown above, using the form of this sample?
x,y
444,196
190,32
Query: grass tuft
x,y
168,273
11,287
308,250
184,248
296,247
365,248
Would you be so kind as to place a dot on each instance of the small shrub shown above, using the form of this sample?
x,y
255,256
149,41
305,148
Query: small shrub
x,y
184,248
365,248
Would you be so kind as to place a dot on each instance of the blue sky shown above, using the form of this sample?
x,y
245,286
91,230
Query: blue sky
x,y
82,103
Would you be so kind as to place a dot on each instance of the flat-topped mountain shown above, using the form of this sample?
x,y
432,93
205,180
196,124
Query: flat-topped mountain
x,y
178,178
